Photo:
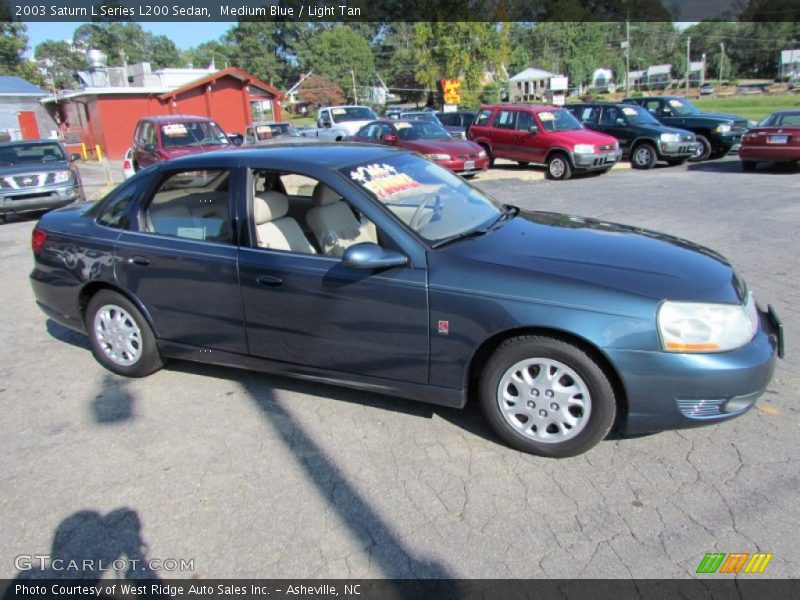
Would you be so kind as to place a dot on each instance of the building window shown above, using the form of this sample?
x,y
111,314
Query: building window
x,y
261,110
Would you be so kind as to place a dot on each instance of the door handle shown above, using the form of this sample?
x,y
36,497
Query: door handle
x,y
142,261
269,280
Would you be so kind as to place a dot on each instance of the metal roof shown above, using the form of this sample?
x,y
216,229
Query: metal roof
x,y
16,86
533,73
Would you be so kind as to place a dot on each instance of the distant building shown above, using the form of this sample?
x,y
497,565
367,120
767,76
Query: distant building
x,y
697,72
636,80
531,85
137,75
659,76
22,117
602,79
106,116
789,67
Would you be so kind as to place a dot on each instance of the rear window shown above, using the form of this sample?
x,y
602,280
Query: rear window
x,y
192,133
483,117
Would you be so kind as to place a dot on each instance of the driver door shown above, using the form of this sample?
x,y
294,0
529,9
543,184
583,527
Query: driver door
x,y
304,308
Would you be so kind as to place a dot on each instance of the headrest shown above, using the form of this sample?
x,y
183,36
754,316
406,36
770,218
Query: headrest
x,y
270,206
324,195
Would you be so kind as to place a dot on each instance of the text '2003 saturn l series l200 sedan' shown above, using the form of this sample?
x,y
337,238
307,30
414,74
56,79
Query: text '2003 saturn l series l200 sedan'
x,y
375,268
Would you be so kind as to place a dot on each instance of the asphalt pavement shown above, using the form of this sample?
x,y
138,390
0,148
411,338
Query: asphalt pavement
x,y
241,474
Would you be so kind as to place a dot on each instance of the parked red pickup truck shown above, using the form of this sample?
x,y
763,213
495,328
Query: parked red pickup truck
x,y
543,135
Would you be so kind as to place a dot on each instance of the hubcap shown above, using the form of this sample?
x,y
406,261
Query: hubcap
x,y
568,408
701,149
118,335
642,156
557,168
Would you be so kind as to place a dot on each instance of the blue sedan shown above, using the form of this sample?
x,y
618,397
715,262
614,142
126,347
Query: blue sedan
x,y
374,268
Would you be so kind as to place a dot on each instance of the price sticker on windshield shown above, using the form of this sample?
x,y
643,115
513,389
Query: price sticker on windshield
x,y
402,125
547,116
383,180
631,112
174,129
676,103
338,111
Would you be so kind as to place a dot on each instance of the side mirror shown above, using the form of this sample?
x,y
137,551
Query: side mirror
x,y
74,156
533,129
236,140
389,138
367,255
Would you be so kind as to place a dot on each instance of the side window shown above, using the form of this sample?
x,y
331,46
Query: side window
x,y
483,117
524,121
504,119
150,134
137,135
588,114
115,213
610,114
307,217
191,205
384,129
652,106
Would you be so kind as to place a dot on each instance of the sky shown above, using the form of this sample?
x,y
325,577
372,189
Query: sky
x,y
185,35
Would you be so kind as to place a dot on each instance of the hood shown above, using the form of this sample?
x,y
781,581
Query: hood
x,y
351,127
24,168
723,117
445,146
656,129
578,251
582,136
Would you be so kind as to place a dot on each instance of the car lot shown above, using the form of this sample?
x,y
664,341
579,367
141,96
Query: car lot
x,y
252,475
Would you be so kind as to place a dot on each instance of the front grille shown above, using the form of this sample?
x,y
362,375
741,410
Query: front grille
x,y
700,409
30,180
739,126
472,156
606,147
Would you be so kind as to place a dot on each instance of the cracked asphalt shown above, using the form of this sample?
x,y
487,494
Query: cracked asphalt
x,y
251,475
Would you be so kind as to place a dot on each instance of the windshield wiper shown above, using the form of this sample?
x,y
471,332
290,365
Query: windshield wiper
x,y
509,212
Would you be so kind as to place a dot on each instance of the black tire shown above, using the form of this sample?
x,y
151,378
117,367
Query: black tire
x,y
749,166
643,156
136,167
703,151
589,379
676,162
143,358
558,167
3,218
720,152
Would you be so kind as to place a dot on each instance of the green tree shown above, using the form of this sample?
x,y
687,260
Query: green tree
x,y
13,45
394,60
60,61
204,54
256,48
341,55
162,52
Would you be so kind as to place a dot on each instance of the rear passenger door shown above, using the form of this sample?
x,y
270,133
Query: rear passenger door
x,y
179,258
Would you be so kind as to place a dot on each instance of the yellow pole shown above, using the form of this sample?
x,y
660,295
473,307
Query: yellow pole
x,y
83,151
99,153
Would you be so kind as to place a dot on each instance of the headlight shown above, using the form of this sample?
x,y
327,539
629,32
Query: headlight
x,y
438,156
702,327
482,154
726,128
584,149
62,176
670,137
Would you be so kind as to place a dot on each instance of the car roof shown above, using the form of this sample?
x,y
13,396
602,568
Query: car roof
x,y
327,154
28,143
174,118
534,107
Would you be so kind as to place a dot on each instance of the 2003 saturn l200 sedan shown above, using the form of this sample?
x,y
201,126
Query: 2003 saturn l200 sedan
x,y
374,268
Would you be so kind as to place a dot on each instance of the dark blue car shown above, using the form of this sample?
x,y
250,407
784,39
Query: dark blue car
x,y
374,268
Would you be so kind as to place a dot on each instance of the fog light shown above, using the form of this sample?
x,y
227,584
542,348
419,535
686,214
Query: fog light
x,y
741,403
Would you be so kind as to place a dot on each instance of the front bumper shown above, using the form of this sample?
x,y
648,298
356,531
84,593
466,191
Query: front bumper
x,y
677,149
465,167
674,391
24,200
595,160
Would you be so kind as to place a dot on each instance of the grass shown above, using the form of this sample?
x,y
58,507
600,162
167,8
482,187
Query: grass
x,y
752,107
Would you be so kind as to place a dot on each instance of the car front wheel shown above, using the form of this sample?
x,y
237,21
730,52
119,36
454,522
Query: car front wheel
x,y
558,167
644,156
120,336
547,397
703,150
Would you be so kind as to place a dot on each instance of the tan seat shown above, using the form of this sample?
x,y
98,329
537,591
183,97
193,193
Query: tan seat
x,y
334,224
274,229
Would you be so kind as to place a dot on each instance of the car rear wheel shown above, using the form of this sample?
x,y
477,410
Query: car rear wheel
x,y
120,336
703,150
749,165
489,154
643,156
558,167
547,397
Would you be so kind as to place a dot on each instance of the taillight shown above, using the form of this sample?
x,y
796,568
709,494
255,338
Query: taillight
x,y
127,164
38,239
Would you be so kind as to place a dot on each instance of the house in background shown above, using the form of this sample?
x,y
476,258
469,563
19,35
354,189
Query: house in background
x,y
697,72
22,117
603,80
531,85
789,67
106,116
659,76
636,80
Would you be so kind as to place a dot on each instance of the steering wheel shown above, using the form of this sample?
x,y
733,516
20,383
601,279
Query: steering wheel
x,y
416,218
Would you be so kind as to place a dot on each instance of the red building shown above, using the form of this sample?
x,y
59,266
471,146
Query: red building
x,y
106,117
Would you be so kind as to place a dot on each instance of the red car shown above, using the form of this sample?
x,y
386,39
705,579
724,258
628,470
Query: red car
x,y
429,139
169,136
543,135
775,139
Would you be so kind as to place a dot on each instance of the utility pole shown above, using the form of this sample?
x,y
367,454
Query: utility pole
x,y
721,61
627,57
124,67
688,64
355,95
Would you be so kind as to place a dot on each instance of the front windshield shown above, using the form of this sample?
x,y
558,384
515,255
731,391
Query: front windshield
x,y
352,113
16,154
682,108
192,133
559,120
421,130
429,199
638,116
